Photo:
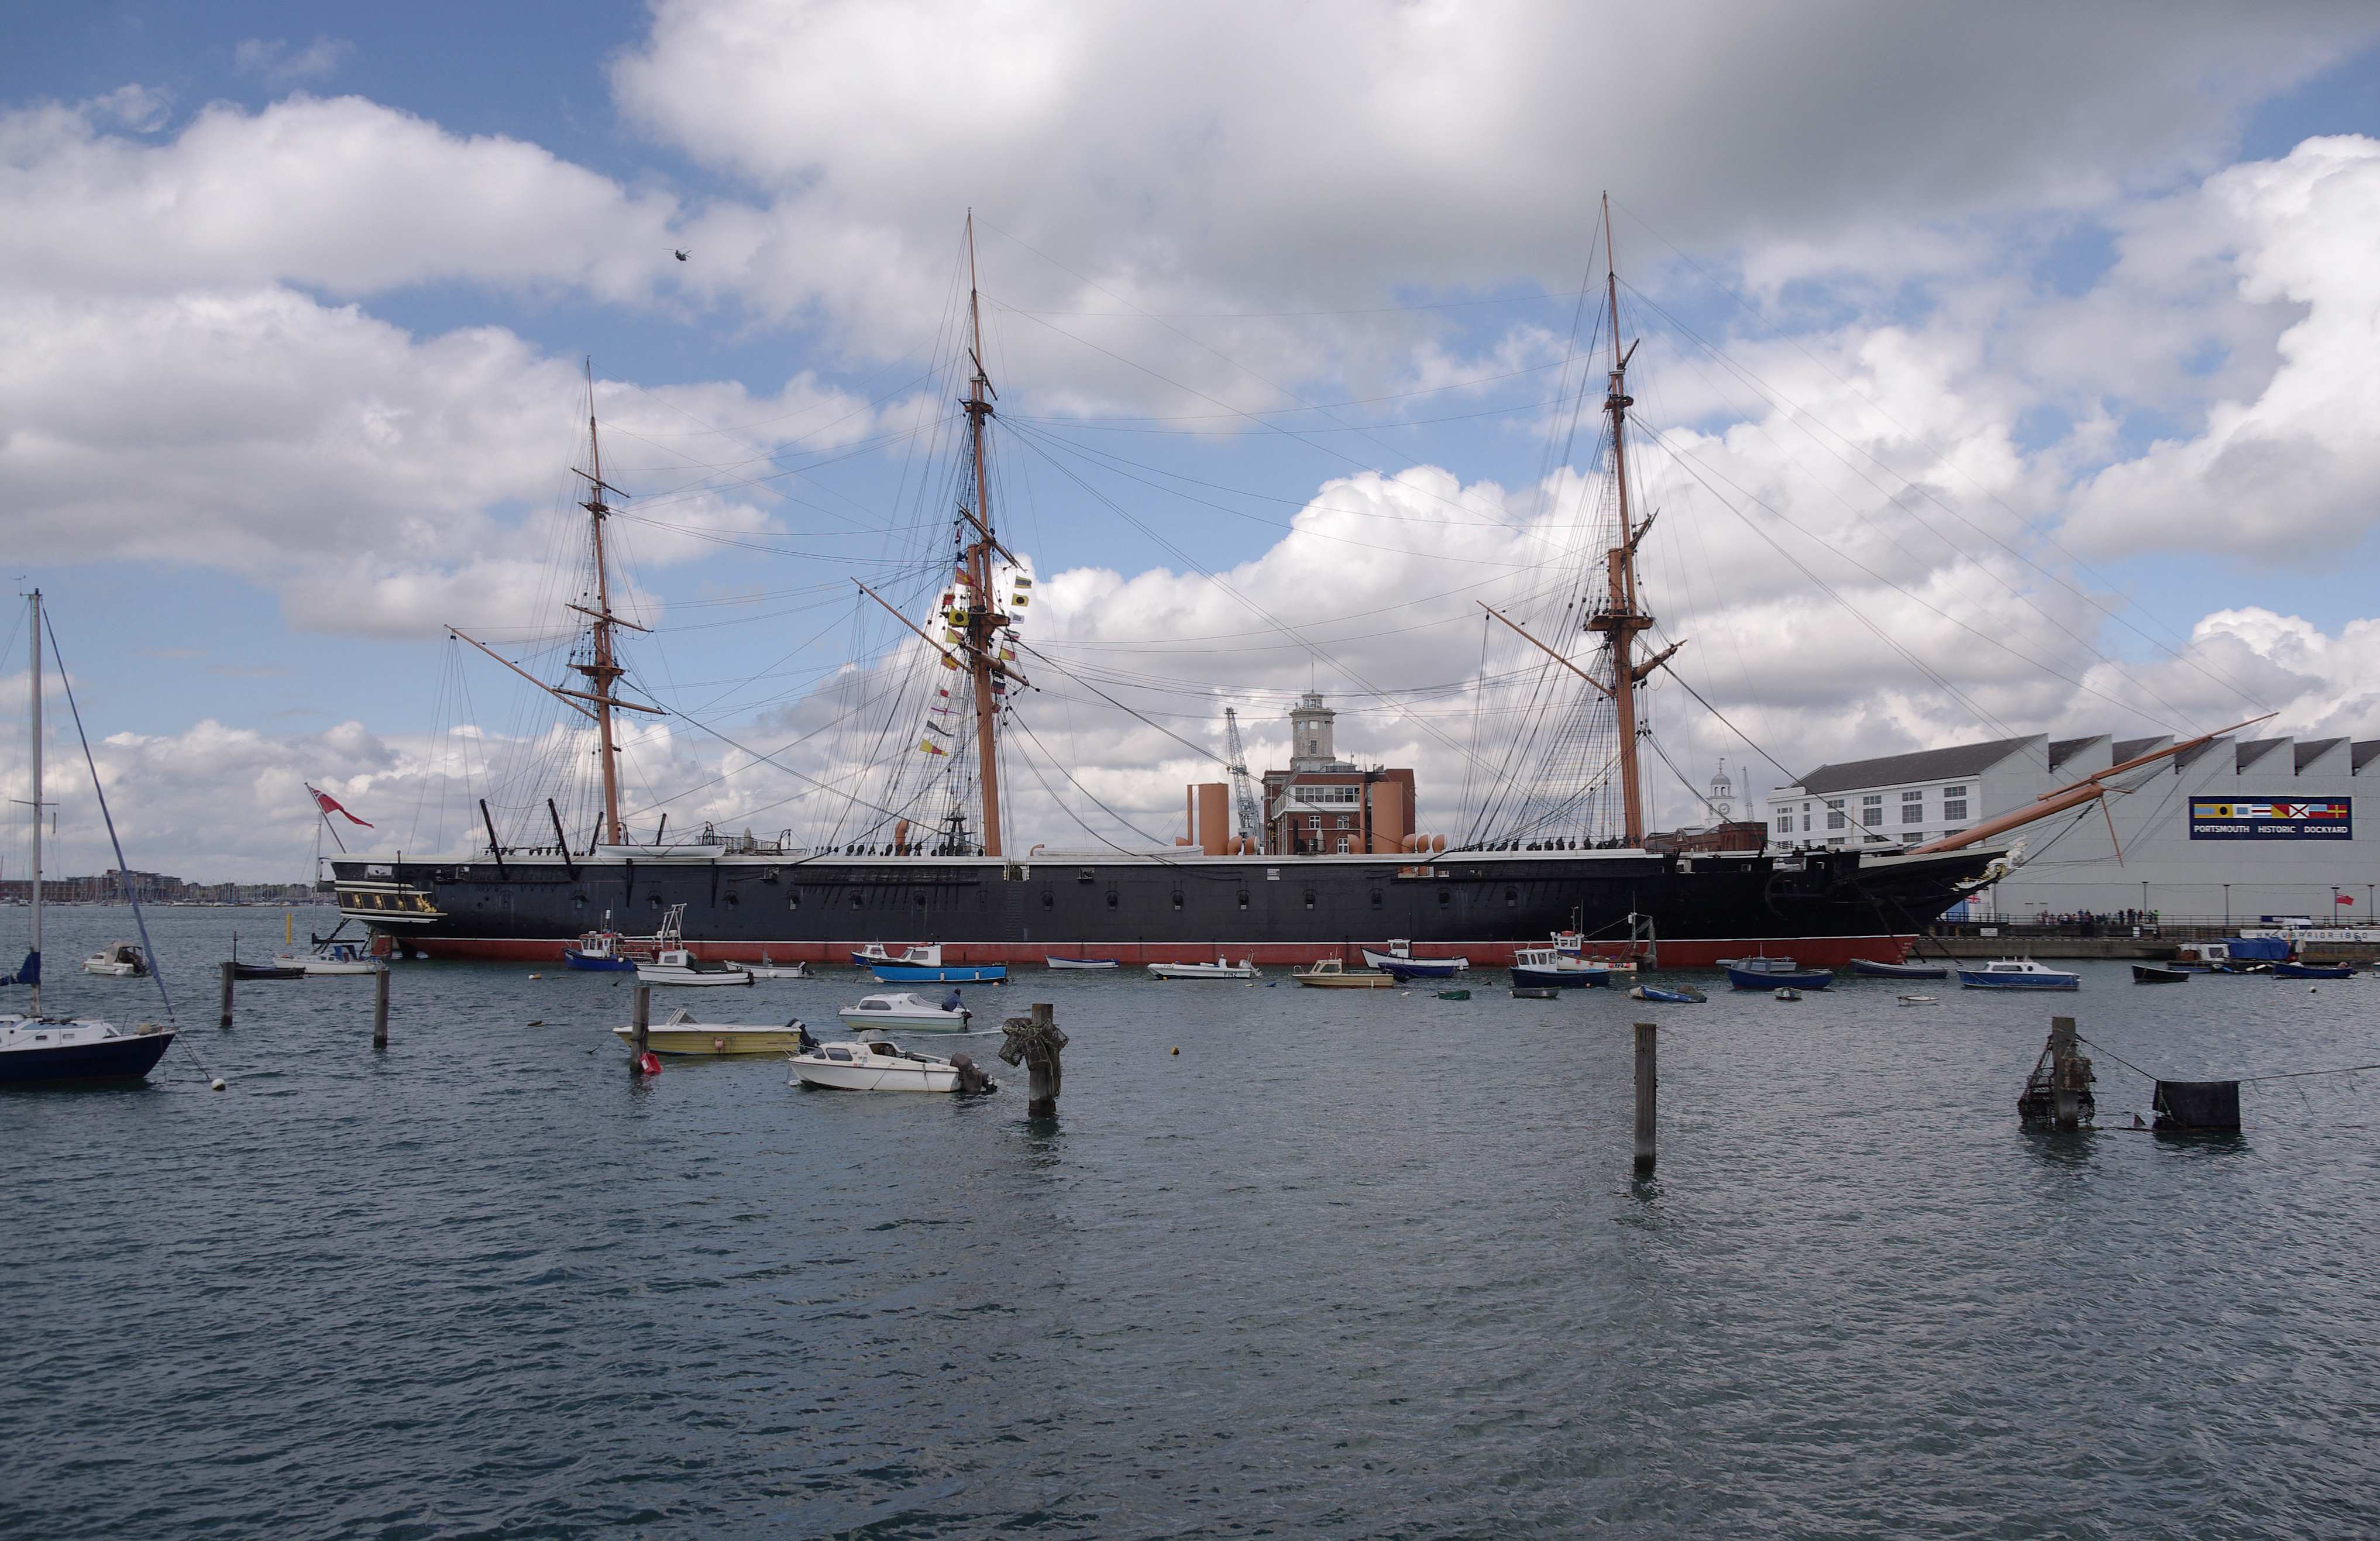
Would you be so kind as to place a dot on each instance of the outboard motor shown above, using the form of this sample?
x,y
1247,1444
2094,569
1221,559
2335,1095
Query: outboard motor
x,y
805,1043
971,1079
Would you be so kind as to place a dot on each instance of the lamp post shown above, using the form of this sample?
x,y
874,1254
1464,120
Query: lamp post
x,y
2227,907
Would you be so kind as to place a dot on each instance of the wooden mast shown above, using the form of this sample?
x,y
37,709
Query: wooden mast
x,y
1618,617
983,622
602,671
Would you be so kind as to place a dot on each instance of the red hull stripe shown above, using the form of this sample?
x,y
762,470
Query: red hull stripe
x,y
1700,953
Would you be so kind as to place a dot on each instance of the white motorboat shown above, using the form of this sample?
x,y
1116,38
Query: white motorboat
x,y
879,1065
681,1034
123,961
1221,968
1081,962
333,957
676,965
911,1013
764,969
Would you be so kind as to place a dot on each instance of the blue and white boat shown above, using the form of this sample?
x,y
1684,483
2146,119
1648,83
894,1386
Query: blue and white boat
x,y
2018,974
600,951
1774,973
924,966
2312,971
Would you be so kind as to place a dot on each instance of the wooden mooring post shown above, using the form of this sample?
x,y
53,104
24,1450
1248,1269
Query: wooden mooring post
x,y
2066,1086
642,1021
1034,1042
1646,1082
229,968
379,1008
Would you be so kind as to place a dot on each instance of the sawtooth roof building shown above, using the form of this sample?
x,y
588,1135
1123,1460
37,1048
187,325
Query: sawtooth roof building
x,y
2235,828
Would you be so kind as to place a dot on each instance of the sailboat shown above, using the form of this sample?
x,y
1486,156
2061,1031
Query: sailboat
x,y
36,1049
958,879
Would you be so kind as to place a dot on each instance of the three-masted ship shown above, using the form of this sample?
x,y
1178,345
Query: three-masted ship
x,y
970,891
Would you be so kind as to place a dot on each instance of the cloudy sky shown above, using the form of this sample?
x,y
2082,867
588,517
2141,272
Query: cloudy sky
x,y
2005,370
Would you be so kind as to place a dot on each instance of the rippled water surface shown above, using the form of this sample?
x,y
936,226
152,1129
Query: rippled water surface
x,y
1355,1263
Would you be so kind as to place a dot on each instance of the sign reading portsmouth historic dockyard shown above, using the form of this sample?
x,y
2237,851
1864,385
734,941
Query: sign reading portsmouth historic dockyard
x,y
2231,818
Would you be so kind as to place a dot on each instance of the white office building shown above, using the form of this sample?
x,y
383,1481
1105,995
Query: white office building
x,y
2234,829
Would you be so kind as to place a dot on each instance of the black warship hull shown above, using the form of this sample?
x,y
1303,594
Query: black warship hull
x,y
1821,908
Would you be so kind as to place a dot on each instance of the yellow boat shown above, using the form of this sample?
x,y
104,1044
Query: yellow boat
x,y
1329,974
681,1034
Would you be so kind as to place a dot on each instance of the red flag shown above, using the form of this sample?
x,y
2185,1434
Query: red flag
x,y
2347,899
329,804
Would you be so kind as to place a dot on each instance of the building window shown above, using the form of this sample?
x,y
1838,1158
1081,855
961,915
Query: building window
x,y
1345,822
1835,819
1784,823
1913,807
1805,823
1954,802
1346,845
1314,821
1872,809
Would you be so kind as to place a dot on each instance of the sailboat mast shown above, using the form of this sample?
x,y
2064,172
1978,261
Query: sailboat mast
x,y
37,804
602,672
1618,617
982,622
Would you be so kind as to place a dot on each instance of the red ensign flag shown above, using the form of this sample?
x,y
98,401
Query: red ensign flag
x,y
329,804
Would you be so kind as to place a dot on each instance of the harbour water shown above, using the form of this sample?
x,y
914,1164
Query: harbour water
x,y
1350,1265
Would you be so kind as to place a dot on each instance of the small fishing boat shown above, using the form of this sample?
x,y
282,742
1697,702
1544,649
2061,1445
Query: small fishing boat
x,y
1765,974
1549,967
909,1011
1917,1000
1454,995
1400,961
265,971
881,1066
676,965
2150,974
1081,962
2310,971
599,951
1221,968
924,966
1787,992
122,960
1871,969
1685,993
765,969
1536,992
682,1033
1329,974
2018,974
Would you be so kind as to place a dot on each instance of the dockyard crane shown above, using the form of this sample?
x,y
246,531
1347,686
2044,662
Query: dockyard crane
x,y
1251,822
